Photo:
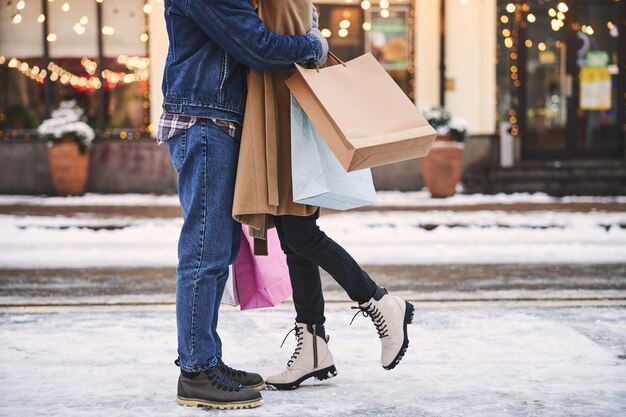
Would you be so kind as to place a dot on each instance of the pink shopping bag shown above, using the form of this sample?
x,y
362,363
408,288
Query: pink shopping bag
x,y
261,281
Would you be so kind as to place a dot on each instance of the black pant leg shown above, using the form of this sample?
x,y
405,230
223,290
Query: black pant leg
x,y
304,238
306,283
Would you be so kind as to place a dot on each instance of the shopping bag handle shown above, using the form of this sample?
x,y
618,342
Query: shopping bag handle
x,y
334,58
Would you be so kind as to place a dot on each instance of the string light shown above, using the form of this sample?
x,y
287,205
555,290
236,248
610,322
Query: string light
x,y
139,68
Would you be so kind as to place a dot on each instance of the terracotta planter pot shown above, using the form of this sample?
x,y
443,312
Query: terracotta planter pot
x,y
68,167
442,168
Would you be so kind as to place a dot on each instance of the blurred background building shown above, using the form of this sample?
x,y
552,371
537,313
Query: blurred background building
x,y
541,84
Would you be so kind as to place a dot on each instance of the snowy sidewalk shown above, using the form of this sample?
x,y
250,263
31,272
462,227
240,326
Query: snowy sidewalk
x,y
480,361
167,206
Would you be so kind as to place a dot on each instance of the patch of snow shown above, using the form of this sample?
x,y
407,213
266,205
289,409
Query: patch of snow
x,y
487,362
388,238
422,198
385,198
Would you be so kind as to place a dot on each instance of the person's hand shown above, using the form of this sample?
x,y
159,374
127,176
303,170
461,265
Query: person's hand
x,y
322,51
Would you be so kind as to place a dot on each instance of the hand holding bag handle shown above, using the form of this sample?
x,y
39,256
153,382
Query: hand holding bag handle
x,y
334,58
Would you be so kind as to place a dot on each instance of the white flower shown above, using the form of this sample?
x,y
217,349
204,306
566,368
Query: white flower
x,y
458,124
66,120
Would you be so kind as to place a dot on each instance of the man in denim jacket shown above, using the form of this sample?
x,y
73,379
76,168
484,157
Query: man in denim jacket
x,y
212,45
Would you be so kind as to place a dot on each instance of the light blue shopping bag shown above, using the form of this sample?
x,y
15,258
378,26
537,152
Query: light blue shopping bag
x,y
318,177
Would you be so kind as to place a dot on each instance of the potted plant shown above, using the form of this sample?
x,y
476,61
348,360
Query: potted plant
x,y
442,168
69,139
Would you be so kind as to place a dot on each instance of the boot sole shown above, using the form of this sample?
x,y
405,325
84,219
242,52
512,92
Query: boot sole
x,y
259,387
408,319
194,402
320,375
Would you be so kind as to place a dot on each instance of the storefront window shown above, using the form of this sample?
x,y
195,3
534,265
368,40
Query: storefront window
x,y
383,28
559,79
126,56
109,79
21,51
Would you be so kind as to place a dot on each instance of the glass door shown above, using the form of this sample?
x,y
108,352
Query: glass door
x,y
572,75
597,106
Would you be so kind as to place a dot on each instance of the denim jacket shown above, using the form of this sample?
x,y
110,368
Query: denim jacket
x,y
212,45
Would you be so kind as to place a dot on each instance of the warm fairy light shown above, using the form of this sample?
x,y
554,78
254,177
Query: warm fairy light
x,y
552,12
510,8
144,37
610,25
541,46
108,30
563,7
506,33
41,18
84,20
384,13
508,42
79,29
342,33
365,4
147,8
20,5
326,33
555,25
17,18
344,24
589,30
560,16
528,43
384,4
531,18
65,7
52,37
367,26
504,19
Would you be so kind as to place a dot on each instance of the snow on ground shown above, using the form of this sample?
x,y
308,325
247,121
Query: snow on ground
x,y
385,198
479,361
402,237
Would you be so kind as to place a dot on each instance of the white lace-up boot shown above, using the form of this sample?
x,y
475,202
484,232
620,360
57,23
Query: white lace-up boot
x,y
311,358
390,315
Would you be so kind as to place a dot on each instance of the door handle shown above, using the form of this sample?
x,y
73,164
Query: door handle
x,y
568,88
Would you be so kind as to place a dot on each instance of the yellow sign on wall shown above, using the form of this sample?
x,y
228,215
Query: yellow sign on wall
x,y
595,88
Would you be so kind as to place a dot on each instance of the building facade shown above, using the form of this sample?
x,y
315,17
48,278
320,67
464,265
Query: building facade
x,y
537,81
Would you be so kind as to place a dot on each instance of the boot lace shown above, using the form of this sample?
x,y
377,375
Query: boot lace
x,y
300,340
228,371
221,381
373,313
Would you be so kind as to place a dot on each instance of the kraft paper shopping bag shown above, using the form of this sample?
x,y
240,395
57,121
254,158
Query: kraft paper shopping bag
x,y
362,114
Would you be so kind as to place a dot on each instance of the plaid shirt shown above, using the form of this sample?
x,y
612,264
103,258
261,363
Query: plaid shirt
x,y
171,125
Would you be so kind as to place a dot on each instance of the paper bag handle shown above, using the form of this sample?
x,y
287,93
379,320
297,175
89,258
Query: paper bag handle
x,y
334,58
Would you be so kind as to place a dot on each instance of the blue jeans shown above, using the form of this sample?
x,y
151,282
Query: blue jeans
x,y
205,158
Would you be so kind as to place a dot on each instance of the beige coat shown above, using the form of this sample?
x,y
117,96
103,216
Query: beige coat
x,y
263,186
